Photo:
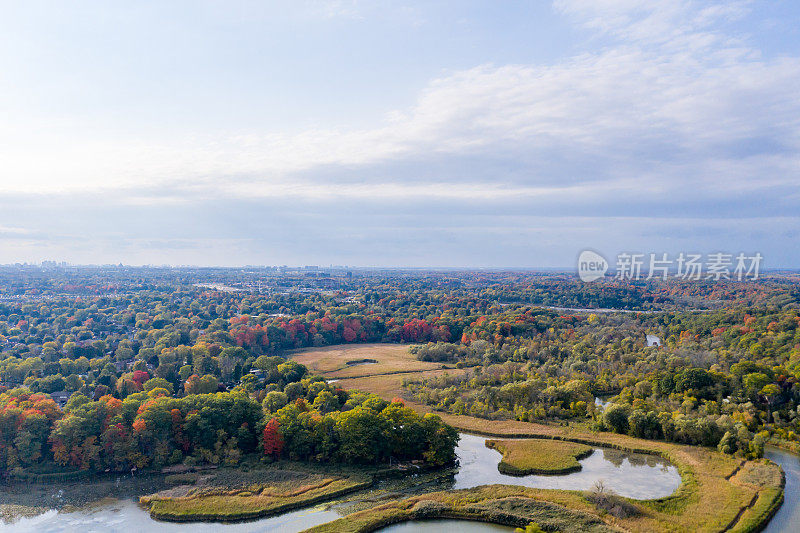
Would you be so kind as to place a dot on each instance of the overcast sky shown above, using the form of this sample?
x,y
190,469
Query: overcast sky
x,y
432,133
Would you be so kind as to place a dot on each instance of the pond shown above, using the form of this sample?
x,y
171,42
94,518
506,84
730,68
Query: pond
x,y
437,526
788,516
652,340
359,362
633,475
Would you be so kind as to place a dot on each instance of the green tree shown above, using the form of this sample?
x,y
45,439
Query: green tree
x,y
616,417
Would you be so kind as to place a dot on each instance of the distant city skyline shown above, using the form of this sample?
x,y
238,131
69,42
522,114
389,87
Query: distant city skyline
x,y
381,134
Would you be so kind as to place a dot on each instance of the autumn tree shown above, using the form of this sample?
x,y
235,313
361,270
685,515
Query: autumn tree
x,y
272,440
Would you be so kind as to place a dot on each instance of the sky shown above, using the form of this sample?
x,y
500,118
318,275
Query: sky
x,y
408,134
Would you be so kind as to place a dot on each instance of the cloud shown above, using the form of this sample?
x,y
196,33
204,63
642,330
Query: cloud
x,y
665,128
714,116
672,24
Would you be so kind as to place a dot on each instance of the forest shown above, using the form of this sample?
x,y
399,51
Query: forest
x,y
729,379
116,368
301,418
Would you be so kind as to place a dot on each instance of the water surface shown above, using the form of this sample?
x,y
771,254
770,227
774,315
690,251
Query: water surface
x,y
601,402
787,519
633,475
653,340
125,516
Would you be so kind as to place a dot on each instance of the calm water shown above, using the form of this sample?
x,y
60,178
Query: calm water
x,y
600,402
126,516
632,475
787,519
652,340
439,526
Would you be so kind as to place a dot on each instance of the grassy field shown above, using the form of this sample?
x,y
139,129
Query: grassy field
x,y
502,504
539,456
332,361
718,492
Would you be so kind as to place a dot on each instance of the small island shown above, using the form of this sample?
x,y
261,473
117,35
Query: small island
x,y
539,456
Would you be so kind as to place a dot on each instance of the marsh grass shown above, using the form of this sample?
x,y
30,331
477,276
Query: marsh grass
x,y
243,505
231,494
539,456
706,501
499,504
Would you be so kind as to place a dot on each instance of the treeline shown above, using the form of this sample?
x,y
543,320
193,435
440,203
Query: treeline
x,y
722,431
505,391
724,376
299,417
371,431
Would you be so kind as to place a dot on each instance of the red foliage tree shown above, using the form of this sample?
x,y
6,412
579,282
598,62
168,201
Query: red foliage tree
x,y
273,440
349,335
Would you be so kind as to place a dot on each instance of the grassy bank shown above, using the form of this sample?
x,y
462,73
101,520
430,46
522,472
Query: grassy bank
x,y
501,504
539,456
715,494
216,504
714,497
48,473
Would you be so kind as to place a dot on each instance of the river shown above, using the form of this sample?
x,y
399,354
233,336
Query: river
x,y
632,475
126,515
787,519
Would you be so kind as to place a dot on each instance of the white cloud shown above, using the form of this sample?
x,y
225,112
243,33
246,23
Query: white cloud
x,y
673,102
676,22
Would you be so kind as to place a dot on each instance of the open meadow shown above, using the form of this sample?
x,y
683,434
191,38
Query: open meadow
x,y
344,361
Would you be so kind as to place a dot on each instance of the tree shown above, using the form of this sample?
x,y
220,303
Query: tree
x,y
123,353
326,402
616,417
728,443
533,527
274,400
441,440
157,383
770,392
754,382
185,372
198,385
361,434
272,439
